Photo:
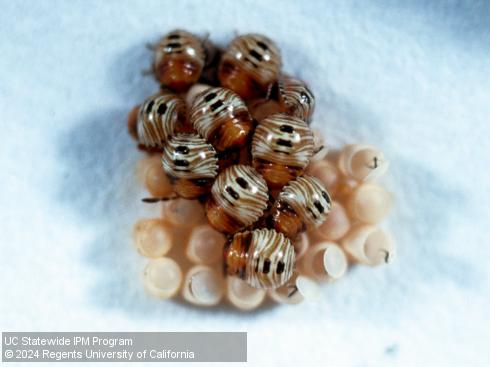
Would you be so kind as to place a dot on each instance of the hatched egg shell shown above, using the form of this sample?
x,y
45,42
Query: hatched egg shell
x,y
325,261
203,286
133,121
362,162
368,245
243,296
344,189
162,277
152,237
369,203
334,262
205,245
379,247
142,166
156,181
182,212
295,291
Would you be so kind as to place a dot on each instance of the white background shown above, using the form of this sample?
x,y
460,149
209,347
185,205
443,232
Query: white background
x,y
412,79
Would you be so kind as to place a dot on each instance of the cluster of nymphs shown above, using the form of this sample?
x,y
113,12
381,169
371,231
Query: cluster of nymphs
x,y
252,203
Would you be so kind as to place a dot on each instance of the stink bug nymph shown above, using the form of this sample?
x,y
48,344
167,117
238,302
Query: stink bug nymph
x,y
263,258
221,117
238,199
157,119
249,65
179,60
294,97
282,146
303,203
191,163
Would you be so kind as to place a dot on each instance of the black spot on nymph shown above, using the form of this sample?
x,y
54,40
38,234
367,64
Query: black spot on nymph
x,y
150,106
210,97
162,109
319,206
216,105
284,143
262,45
287,129
182,149
256,55
174,44
312,213
242,182
232,192
280,267
326,197
181,163
266,267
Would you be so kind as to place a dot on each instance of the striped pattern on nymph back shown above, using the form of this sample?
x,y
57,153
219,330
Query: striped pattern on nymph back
x,y
213,107
158,117
256,54
308,198
178,44
296,98
271,259
242,192
189,156
283,139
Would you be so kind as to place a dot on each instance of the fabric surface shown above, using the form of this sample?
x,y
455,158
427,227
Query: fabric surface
x,y
411,78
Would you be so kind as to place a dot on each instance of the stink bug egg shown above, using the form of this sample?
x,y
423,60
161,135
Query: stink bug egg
x,y
243,296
